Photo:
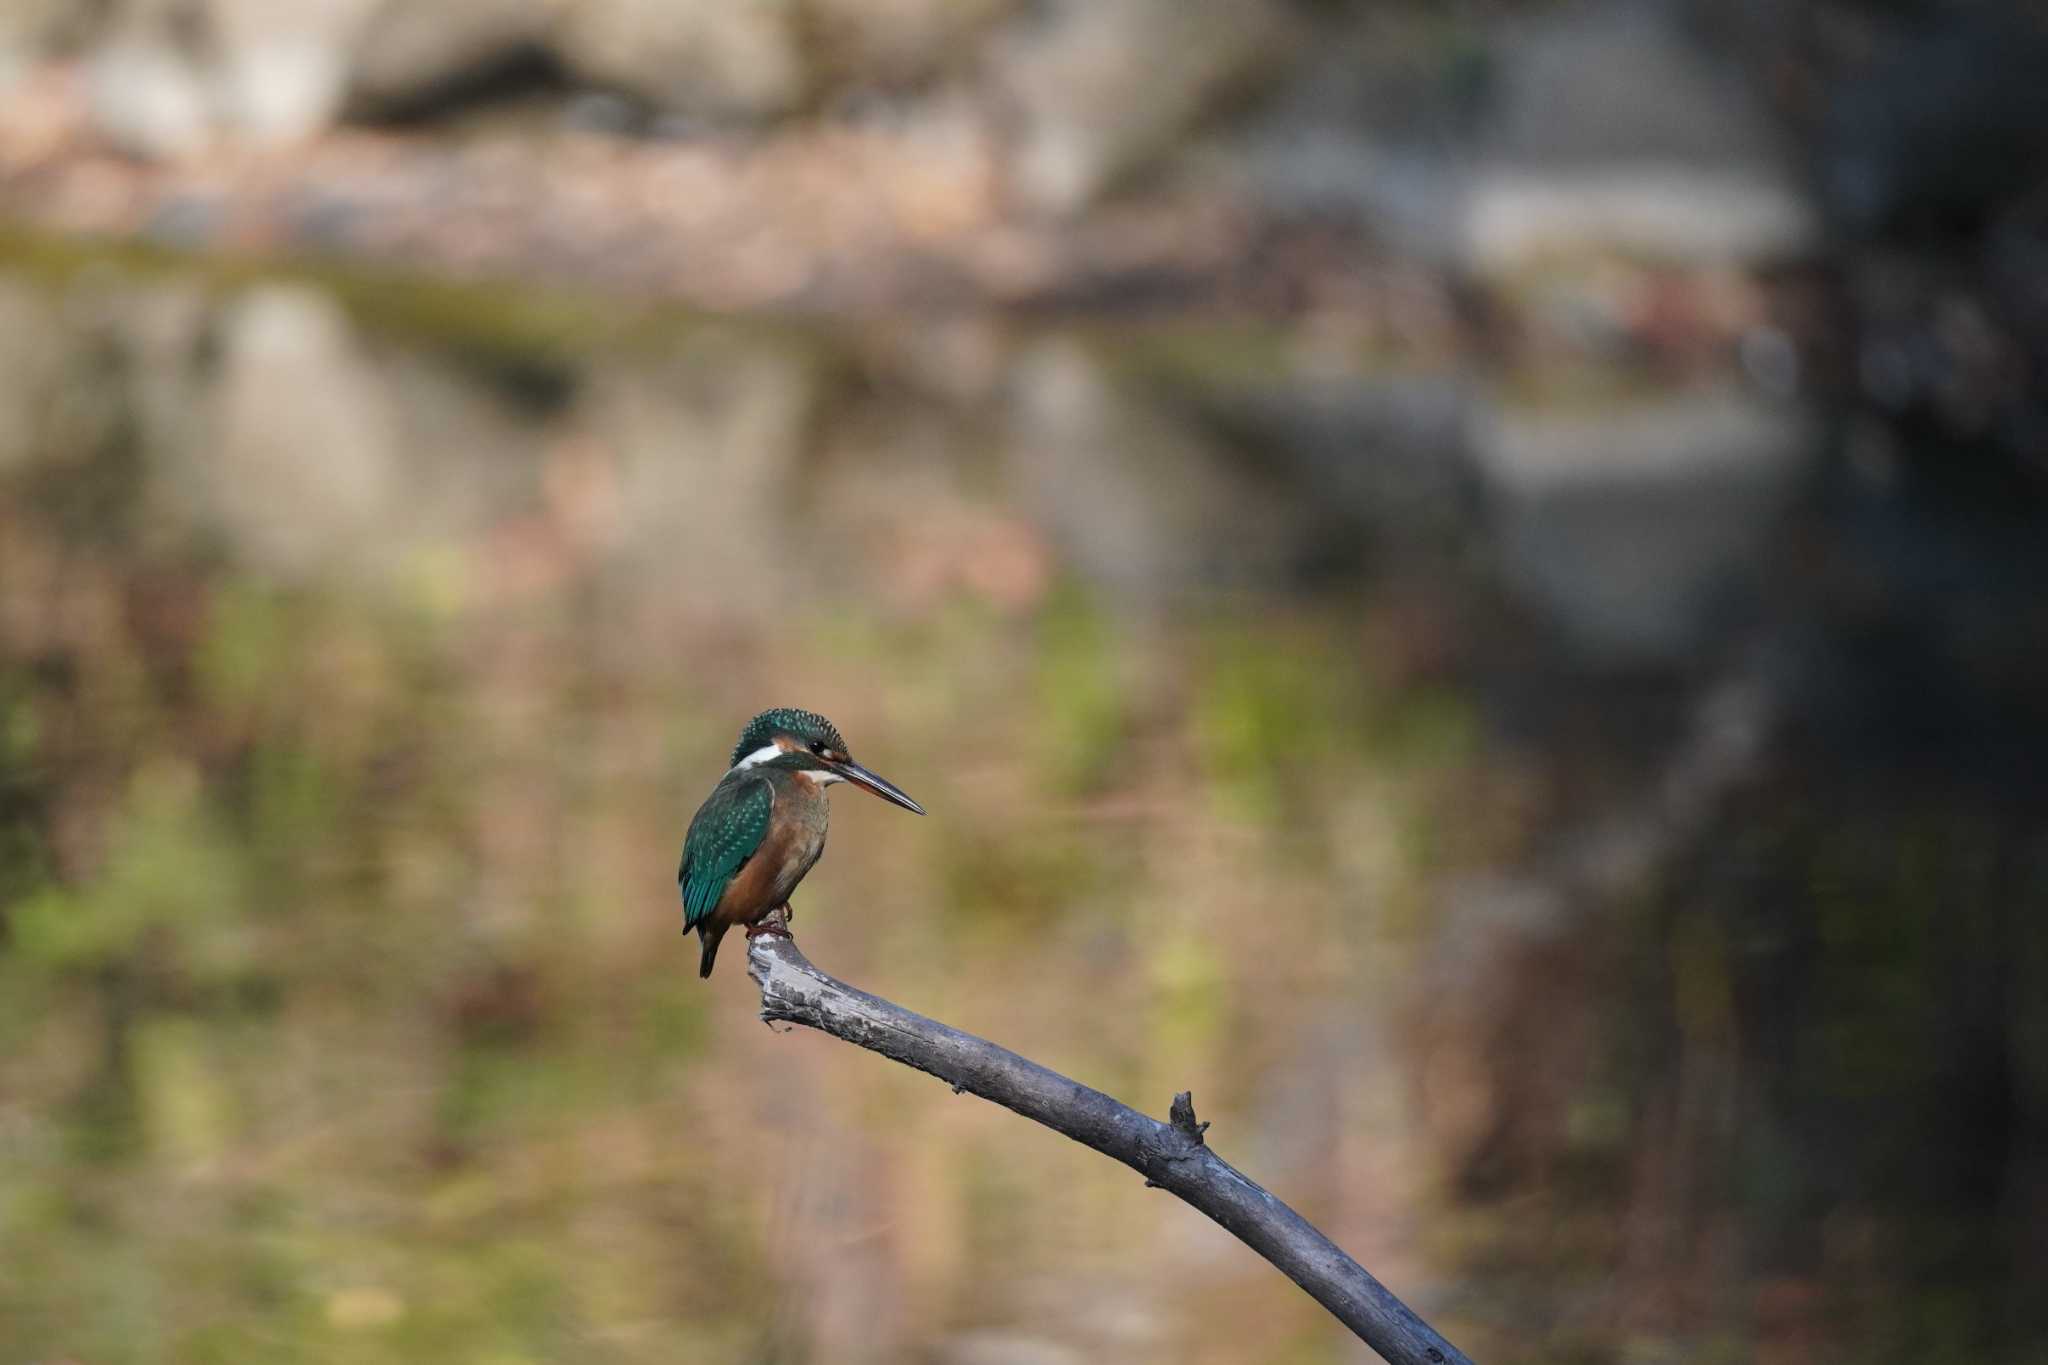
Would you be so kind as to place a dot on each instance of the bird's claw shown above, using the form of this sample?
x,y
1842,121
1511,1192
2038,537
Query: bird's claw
x,y
774,924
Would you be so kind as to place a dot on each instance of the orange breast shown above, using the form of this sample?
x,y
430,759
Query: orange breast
x,y
792,846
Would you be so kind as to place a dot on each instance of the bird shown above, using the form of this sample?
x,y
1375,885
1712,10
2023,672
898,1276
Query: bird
x,y
763,826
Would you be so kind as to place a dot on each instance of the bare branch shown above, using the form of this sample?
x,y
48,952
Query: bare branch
x,y
1172,1156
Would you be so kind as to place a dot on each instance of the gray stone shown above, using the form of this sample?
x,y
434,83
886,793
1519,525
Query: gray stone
x,y
741,59
306,471
704,447
148,100
1609,128
28,31
281,90
1627,526
1097,89
164,82
282,70
895,41
1379,120
1578,131
1133,494
1661,210
406,53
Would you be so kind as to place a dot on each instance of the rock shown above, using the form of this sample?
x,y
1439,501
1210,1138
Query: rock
x,y
304,422
1132,494
740,59
1096,88
1375,122
32,25
1573,131
283,69
284,89
408,56
892,42
1630,526
1608,129
29,29
147,99
167,81
1616,84
1666,212
1369,457
704,448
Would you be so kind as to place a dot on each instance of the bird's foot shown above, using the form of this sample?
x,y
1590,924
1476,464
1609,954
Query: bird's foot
x,y
774,924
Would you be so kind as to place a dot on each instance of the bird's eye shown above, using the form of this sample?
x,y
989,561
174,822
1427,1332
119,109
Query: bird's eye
x,y
818,746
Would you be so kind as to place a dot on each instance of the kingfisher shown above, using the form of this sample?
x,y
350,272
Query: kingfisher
x,y
763,826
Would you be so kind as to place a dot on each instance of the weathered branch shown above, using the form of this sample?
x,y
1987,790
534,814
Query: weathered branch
x,y
1171,1156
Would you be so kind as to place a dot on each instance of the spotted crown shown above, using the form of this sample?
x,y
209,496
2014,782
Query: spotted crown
x,y
807,726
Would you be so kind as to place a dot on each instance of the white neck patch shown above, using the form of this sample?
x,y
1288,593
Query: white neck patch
x,y
758,757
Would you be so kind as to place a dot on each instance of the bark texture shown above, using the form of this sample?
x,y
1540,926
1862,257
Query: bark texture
x,y
1172,1156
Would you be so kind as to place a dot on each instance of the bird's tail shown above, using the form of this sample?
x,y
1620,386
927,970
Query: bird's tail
x,y
709,934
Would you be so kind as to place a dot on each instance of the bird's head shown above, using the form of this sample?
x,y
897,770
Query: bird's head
x,y
806,743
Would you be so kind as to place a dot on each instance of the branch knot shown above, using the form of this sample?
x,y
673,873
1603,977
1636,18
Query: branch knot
x,y
1182,1117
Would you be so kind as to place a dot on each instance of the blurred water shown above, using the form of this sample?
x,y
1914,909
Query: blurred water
x,y
1583,853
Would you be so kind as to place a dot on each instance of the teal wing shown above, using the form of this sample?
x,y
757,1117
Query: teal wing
x,y
728,828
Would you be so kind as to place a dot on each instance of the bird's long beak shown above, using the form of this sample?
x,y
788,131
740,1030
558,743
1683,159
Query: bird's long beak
x,y
876,783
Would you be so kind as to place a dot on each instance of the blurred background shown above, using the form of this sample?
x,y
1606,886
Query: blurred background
x,y
1465,581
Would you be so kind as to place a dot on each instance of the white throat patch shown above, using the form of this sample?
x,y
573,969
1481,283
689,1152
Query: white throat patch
x,y
819,777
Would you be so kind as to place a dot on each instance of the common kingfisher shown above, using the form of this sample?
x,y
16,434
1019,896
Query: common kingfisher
x,y
763,826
